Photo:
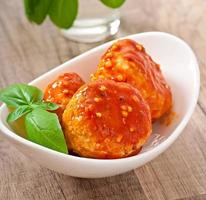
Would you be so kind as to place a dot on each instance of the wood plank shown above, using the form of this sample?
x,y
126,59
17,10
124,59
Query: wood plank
x,y
199,197
23,179
179,172
124,186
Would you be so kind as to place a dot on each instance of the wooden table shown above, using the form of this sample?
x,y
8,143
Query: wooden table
x,y
27,51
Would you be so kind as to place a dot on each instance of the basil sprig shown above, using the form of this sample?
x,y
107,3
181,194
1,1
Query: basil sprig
x,y
42,127
61,12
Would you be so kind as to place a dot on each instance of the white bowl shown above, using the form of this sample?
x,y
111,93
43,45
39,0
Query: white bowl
x,y
180,68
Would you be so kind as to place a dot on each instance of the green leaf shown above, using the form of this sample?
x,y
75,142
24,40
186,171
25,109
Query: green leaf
x,y
113,3
18,112
45,106
20,94
43,128
63,12
36,10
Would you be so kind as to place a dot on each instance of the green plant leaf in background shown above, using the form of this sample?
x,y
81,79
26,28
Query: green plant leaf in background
x,y
63,12
36,10
113,3
20,94
18,112
43,128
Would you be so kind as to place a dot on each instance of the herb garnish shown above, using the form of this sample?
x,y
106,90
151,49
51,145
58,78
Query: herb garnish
x,y
42,127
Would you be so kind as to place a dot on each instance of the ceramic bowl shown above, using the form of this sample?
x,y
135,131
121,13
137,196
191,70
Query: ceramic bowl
x,y
180,68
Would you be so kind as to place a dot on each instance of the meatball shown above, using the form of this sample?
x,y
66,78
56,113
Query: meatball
x,y
62,89
127,61
106,119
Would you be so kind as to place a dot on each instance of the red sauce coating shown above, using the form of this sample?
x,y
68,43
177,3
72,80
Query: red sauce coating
x,y
127,61
106,119
62,89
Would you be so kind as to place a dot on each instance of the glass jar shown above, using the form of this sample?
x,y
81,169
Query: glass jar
x,y
95,22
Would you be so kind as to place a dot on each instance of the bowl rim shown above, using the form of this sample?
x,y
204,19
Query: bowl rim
x,y
153,151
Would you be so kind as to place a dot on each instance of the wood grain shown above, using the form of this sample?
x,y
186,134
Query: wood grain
x,y
26,51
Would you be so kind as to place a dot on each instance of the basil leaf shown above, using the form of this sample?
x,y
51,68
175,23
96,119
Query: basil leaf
x,y
20,94
63,12
43,128
18,112
36,10
113,3
45,105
